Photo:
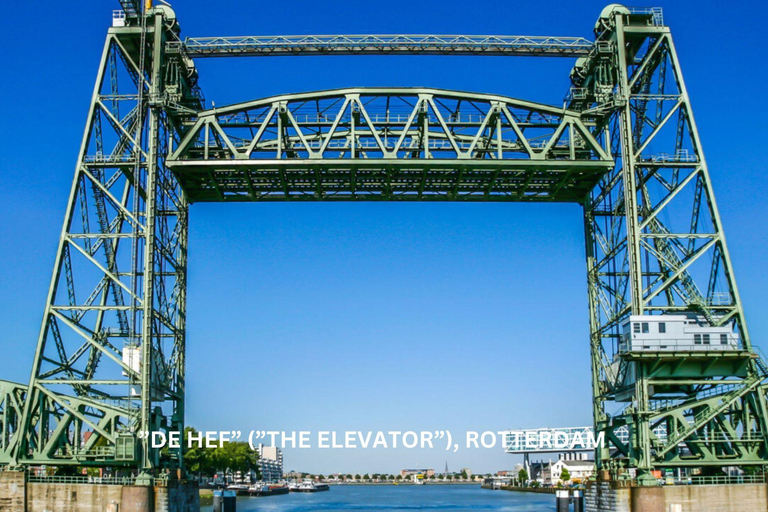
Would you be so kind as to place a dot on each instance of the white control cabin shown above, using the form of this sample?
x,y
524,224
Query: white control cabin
x,y
683,332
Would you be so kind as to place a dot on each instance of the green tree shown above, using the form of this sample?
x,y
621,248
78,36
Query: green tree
x,y
565,475
522,476
229,458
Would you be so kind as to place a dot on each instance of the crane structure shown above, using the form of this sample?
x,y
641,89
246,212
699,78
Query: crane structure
x,y
110,358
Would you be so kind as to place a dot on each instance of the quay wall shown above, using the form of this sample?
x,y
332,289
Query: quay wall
x,y
18,495
13,491
621,497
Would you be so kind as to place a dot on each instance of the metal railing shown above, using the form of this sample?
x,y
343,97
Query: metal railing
x,y
109,159
672,345
681,155
657,13
102,480
253,119
725,479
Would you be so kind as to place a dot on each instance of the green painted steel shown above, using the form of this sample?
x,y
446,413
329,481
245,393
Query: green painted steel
x,y
655,245
110,355
276,46
391,145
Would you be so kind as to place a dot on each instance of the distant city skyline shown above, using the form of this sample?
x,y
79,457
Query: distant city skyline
x,y
374,316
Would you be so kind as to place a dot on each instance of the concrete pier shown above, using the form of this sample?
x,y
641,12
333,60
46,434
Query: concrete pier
x,y
13,491
18,495
621,497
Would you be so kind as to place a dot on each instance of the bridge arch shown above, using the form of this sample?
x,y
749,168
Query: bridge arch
x,y
389,144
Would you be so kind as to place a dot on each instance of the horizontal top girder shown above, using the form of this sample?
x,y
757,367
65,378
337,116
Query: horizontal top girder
x,y
401,44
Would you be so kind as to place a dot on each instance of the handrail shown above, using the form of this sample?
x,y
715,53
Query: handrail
x,y
100,480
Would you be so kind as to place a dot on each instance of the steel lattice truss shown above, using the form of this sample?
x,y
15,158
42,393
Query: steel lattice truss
x,y
386,44
655,245
119,278
110,355
389,144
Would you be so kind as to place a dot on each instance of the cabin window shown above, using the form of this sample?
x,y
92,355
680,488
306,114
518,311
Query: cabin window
x,y
697,339
706,339
645,327
723,339
636,327
662,327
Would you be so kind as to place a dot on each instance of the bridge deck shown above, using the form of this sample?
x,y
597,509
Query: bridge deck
x,y
383,180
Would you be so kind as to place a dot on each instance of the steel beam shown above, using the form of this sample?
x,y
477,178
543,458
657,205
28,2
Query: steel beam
x,y
401,44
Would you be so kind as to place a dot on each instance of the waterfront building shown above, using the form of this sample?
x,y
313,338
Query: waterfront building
x,y
423,472
499,481
579,466
537,470
270,463
578,469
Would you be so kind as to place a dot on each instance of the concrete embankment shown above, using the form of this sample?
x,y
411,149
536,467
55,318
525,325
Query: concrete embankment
x,y
19,495
622,497
541,490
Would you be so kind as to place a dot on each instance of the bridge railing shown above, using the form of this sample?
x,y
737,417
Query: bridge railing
x,y
726,479
103,480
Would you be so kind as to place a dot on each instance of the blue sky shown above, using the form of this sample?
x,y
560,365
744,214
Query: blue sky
x,y
372,316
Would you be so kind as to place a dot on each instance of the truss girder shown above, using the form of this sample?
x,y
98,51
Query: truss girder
x,y
389,144
264,46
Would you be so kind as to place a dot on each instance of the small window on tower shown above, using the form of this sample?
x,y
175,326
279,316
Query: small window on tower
x,y
706,339
636,327
662,327
723,339
645,327
697,339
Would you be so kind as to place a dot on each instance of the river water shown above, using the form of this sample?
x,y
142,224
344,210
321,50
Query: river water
x,y
386,498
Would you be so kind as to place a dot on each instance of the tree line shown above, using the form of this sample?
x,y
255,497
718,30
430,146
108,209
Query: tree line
x,y
230,458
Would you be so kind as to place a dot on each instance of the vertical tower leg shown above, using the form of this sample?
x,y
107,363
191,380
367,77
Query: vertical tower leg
x,y
109,362
655,247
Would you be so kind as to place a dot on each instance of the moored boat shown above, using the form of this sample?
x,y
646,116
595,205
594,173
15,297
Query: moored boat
x,y
267,490
239,489
308,486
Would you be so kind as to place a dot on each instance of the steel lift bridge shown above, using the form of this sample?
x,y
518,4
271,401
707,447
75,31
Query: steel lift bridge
x,y
109,360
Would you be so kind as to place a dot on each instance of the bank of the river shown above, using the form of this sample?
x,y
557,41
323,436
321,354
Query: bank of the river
x,y
539,490
206,497
401,483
